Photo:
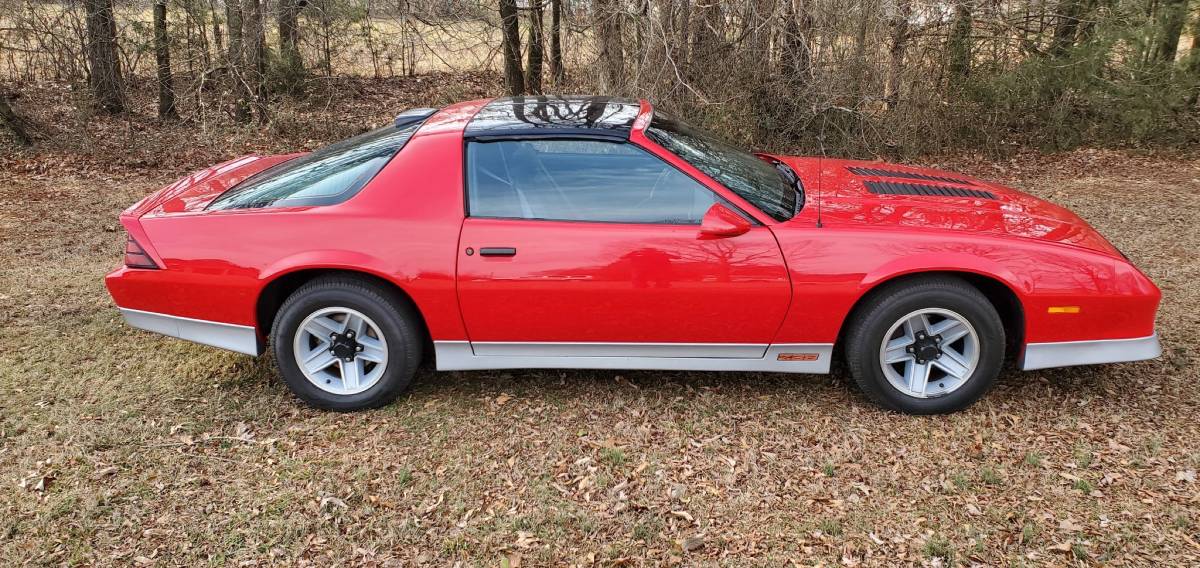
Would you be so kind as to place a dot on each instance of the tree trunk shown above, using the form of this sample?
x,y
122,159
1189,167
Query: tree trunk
x,y
162,59
757,29
901,30
254,36
105,69
13,123
958,44
612,54
1193,61
235,60
706,39
859,76
1171,17
292,66
556,57
684,39
1066,27
216,29
533,63
796,60
1194,51
510,26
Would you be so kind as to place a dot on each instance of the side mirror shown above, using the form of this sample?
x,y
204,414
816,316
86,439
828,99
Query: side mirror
x,y
720,222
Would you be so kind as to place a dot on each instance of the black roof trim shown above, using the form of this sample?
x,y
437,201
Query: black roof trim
x,y
557,133
543,115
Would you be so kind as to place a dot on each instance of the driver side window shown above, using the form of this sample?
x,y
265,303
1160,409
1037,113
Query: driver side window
x,y
580,180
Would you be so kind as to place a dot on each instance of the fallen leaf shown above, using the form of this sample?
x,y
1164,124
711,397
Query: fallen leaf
x,y
333,501
1069,526
683,515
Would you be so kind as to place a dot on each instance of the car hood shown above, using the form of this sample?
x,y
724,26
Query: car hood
x,y
195,191
875,194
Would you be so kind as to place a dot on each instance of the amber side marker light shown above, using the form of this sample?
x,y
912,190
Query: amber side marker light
x,y
798,356
1063,309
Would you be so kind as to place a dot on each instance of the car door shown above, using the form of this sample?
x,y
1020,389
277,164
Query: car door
x,y
592,248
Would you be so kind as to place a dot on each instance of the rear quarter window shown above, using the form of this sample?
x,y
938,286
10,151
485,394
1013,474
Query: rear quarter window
x,y
325,176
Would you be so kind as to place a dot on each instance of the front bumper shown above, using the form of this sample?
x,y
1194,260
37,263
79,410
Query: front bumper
x,y
1070,353
239,338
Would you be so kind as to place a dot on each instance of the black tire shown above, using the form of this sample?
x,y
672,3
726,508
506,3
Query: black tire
x,y
885,307
397,321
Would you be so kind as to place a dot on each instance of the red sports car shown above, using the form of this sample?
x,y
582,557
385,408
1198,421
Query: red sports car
x,y
599,233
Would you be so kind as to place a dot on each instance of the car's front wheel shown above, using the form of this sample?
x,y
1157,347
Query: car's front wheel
x,y
344,343
926,346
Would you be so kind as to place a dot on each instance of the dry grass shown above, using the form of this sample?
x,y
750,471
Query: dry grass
x,y
119,447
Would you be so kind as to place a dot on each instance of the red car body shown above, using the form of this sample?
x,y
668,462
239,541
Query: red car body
x,y
596,295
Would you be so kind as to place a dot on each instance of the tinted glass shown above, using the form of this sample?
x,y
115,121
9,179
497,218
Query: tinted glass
x,y
742,172
580,180
328,175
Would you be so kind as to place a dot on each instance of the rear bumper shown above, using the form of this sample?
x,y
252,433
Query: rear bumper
x,y
1069,353
239,338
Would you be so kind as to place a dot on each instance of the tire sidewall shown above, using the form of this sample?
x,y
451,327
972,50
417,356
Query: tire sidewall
x,y
401,340
981,315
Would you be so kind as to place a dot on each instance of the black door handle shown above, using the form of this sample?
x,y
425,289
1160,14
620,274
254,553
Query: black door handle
x,y
497,251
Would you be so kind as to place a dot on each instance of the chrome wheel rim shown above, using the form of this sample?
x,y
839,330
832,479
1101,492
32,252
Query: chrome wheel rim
x,y
929,353
340,350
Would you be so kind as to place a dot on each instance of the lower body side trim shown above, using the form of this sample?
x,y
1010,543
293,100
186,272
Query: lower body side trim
x,y
778,358
1070,353
239,338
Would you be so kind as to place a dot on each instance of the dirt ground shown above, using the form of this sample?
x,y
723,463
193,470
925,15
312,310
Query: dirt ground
x,y
119,447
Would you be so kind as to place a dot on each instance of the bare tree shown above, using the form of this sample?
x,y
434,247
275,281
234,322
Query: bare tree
x,y
612,54
707,39
796,59
958,43
236,60
1192,64
162,58
901,31
291,64
104,67
533,63
510,27
216,27
556,54
1068,12
254,36
1172,15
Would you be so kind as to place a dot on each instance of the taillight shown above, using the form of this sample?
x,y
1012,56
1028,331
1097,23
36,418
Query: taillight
x,y
136,257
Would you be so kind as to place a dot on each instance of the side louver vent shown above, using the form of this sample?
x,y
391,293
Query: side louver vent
x,y
896,188
904,175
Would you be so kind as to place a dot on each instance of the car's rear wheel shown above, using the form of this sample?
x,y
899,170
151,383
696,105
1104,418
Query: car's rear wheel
x,y
344,343
926,346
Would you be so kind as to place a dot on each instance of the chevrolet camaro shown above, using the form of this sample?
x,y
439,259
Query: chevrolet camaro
x,y
600,233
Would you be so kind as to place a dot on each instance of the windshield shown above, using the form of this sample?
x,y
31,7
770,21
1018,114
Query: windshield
x,y
322,177
756,181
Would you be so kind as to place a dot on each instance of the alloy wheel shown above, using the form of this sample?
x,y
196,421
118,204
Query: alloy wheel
x,y
929,353
340,350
